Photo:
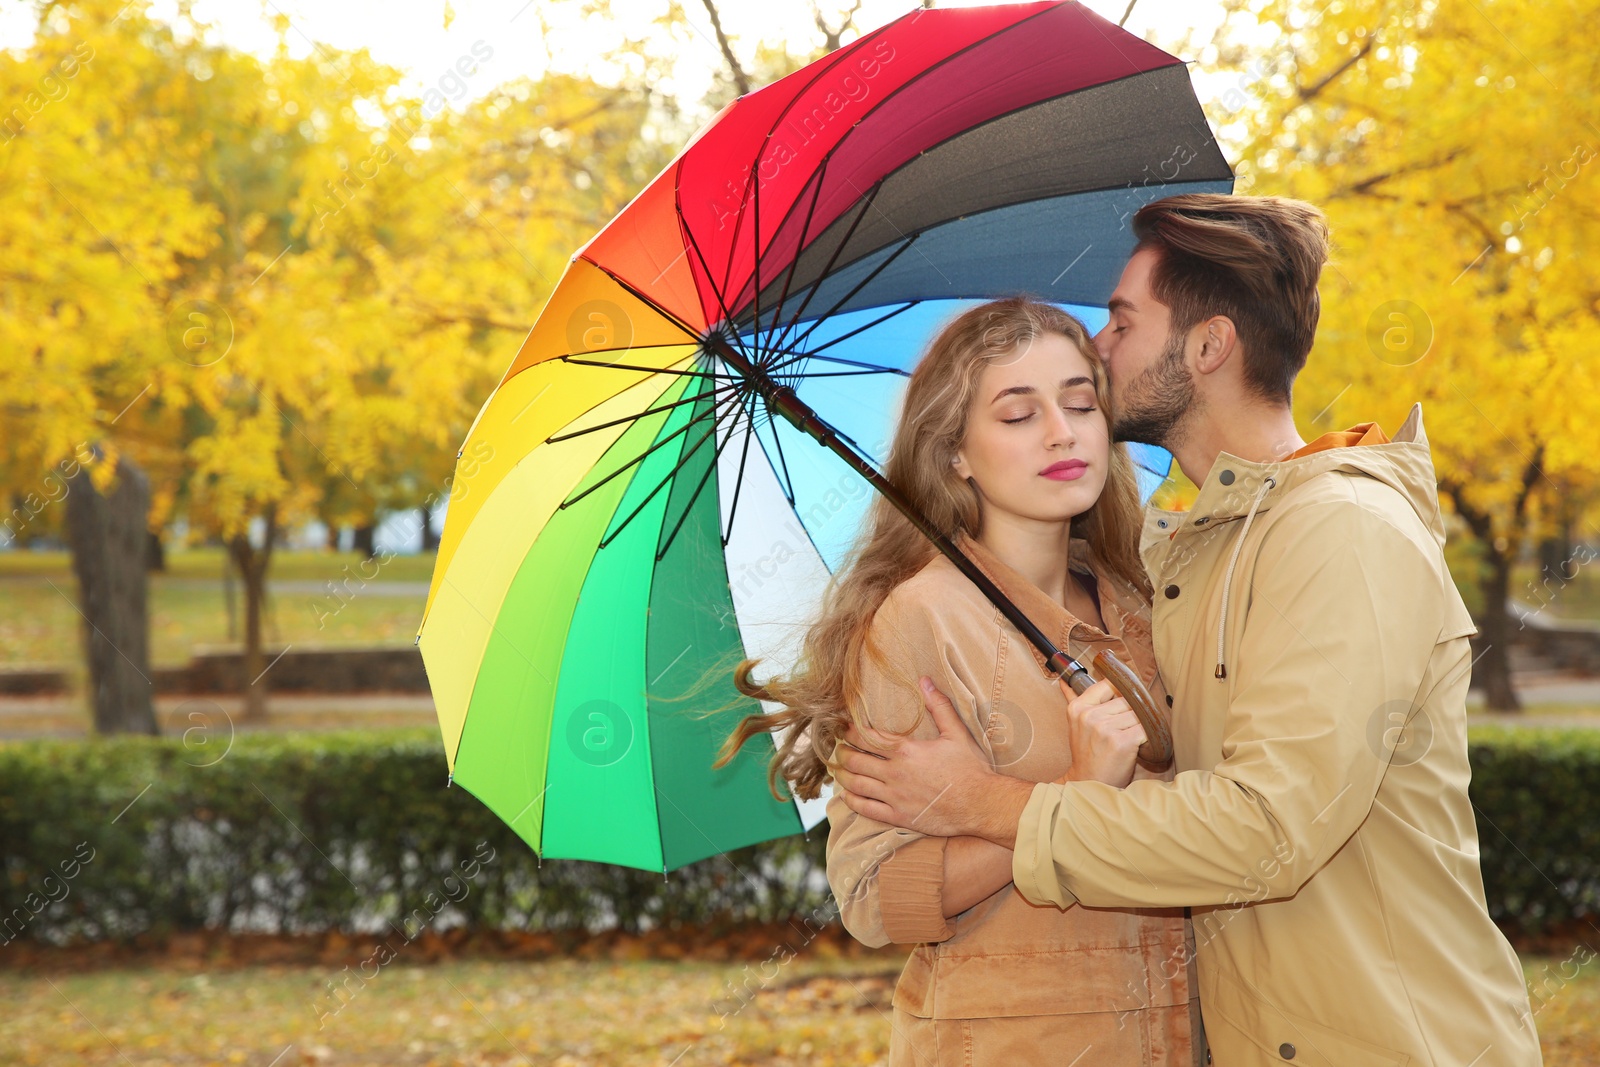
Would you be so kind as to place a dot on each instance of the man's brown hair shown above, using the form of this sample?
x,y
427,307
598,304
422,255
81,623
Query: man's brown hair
x,y
1255,259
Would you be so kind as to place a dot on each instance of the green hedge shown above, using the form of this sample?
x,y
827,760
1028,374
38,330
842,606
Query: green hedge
x,y
1537,798
299,833
117,838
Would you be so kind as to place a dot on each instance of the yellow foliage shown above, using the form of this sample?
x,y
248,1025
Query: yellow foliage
x,y
282,286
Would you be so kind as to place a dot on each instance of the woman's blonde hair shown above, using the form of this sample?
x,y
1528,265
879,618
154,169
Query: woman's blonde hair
x,y
819,694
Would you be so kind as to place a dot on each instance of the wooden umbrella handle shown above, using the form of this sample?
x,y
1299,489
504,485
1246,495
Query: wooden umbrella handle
x,y
1157,747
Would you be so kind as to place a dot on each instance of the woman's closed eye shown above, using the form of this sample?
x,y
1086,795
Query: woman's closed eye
x,y
1029,415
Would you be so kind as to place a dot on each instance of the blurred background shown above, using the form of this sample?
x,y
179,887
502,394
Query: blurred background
x,y
262,262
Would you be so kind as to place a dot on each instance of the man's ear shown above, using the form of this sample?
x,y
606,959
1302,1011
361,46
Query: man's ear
x,y
1218,341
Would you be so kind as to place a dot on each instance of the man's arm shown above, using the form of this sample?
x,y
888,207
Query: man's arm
x,y
1329,642
946,785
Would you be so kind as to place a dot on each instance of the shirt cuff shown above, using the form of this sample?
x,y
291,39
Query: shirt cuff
x,y
911,893
1033,862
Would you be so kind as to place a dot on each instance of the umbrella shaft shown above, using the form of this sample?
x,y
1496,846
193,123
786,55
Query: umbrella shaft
x,y
783,401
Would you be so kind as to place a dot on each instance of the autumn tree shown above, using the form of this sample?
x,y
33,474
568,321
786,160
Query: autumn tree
x,y
283,285
96,221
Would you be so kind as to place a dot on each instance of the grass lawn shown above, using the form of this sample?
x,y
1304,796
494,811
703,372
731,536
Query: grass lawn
x,y
39,622
566,1012
39,625
813,1011
1513,720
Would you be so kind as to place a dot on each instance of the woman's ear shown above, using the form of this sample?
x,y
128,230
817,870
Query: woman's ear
x,y
960,463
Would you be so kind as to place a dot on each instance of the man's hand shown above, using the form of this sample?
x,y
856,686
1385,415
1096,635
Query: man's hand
x,y
1104,733
943,787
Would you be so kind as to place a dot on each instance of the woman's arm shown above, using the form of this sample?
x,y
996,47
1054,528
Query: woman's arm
x,y
890,882
974,870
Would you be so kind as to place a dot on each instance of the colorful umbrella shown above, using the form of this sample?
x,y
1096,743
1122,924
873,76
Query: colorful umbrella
x,y
629,517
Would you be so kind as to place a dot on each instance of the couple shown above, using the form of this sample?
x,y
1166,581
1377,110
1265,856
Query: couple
x,y
1303,878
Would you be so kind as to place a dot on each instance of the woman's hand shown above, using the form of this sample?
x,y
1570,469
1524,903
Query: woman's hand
x,y
1104,733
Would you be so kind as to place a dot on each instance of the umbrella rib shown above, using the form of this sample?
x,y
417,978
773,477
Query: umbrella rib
x,y
914,80
866,202
682,460
711,468
824,67
803,375
651,370
755,245
639,415
695,246
783,462
637,459
862,284
800,356
846,336
688,330
794,263
744,454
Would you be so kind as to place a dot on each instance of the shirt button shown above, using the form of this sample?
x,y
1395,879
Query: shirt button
x,y
1226,478
1172,592
1286,1050
1202,522
1169,700
1161,523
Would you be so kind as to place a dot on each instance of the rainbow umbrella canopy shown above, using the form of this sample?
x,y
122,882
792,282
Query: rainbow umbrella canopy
x,y
629,518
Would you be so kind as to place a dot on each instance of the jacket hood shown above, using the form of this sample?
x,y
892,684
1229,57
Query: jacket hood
x,y
1238,489
1233,485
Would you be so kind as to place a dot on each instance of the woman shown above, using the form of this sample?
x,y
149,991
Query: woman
x,y
1003,443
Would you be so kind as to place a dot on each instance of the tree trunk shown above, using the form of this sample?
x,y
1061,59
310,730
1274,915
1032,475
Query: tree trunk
x,y
363,541
430,539
1493,670
252,563
109,540
1556,565
155,556
230,605
1554,556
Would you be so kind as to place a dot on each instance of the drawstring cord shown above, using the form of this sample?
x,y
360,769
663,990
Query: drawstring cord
x,y
1227,579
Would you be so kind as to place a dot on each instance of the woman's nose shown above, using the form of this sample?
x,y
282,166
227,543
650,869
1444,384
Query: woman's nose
x,y
1058,428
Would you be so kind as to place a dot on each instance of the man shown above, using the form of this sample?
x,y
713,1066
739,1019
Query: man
x,y
1316,651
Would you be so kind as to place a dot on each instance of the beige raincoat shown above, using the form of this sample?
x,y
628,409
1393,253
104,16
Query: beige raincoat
x,y
1319,823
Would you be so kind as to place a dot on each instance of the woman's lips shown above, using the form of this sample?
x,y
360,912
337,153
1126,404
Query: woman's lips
x,y
1065,472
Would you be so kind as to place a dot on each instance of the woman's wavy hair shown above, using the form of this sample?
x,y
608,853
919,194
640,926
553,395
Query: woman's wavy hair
x,y
820,694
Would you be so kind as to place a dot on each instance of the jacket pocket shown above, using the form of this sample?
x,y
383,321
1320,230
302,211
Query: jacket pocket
x,y
1242,1028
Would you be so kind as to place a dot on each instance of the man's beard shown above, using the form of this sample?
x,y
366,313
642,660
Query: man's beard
x,y
1156,404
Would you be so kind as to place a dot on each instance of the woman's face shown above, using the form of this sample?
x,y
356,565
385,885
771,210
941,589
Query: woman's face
x,y
1036,438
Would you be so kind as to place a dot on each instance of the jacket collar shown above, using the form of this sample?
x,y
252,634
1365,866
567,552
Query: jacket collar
x,y
1053,619
1234,487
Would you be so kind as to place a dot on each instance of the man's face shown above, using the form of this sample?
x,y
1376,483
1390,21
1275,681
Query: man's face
x,y
1152,391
